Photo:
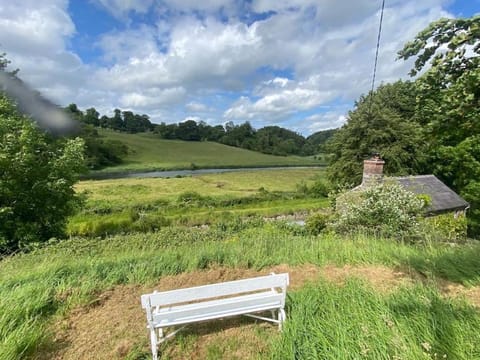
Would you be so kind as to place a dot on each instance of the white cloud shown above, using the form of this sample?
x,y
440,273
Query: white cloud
x,y
32,27
119,8
196,107
120,46
152,97
203,5
325,121
302,56
35,36
277,106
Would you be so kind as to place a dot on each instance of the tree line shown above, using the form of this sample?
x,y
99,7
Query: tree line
x,y
273,140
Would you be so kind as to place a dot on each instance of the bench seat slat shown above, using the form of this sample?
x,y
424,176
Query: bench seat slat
x,y
215,290
218,308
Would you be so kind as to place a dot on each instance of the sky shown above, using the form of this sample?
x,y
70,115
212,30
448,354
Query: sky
x,y
298,64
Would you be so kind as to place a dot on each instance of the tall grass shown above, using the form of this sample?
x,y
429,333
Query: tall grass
x,y
36,287
327,321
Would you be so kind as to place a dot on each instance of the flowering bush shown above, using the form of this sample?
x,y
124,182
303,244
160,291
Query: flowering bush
x,y
386,209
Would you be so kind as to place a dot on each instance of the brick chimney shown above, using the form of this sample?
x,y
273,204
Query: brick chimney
x,y
372,170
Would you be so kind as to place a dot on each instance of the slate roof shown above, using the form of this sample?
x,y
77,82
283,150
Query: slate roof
x,y
443,198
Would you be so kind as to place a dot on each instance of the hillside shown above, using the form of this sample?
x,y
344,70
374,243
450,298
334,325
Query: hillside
x,y
148,152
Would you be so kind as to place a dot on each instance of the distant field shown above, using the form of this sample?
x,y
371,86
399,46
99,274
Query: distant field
x,y
233,184
121,205
148,152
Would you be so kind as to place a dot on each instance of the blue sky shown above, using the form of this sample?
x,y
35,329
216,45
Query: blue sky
x,y
298,64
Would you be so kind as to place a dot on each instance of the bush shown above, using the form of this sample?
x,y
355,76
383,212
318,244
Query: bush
x,y
320,188
317,222
471,193
37,174
446,227
384,209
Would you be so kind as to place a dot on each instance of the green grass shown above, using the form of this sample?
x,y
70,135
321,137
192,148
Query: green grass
x,y
148,152
356,322
123,205
38,287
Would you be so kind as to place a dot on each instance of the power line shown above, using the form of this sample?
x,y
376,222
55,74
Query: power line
x,y
378,45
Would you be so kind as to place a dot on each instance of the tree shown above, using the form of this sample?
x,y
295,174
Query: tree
x,y
381,122
37,173
4,63
448,105
278,141
315,143
91,117
239,135
188,131
116,122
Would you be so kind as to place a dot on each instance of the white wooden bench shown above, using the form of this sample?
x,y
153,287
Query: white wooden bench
x,y
215,301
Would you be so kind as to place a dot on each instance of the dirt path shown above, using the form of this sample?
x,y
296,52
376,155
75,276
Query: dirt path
x,y
114,324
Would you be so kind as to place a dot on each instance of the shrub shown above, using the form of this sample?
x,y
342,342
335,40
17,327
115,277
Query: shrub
x,y
317,222
446,227
150,222
384,209
320,188
37,174
471,193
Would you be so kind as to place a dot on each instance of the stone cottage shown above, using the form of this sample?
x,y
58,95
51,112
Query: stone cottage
x,y
442,198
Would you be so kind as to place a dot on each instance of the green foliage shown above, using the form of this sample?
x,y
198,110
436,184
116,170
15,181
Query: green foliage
x,y
320,188
448,103
458,34
100,152
37,174
471,193
384,209
279,141
382,122
125,121
446,227
268,140
317,222
316,143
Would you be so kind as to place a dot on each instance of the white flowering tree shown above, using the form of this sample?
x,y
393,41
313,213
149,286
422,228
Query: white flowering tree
x,y
386,209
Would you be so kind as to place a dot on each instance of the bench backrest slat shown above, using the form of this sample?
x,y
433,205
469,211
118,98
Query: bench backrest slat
x,y
199,293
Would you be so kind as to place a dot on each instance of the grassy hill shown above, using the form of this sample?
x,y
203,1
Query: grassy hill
x,y
148,152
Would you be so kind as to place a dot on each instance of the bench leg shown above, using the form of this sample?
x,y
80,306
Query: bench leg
x,y
281,318
153,340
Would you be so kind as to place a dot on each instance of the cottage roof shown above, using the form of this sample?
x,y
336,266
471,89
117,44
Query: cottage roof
x,y
443,199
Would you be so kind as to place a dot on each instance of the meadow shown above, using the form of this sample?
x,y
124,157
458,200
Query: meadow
x,y
350,297
120,205
148,152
